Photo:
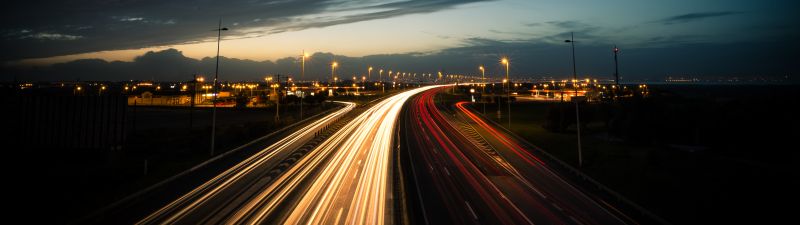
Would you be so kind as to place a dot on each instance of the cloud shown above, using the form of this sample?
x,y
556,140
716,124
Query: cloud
x,y
130,19
533,24
567,24
52,36
529,59
117,25
691,17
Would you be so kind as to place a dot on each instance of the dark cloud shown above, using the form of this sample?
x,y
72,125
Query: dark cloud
x,y
534,24
691,17
529,59
568,24
53,28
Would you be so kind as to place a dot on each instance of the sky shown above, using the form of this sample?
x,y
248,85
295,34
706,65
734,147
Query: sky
x,y
168,40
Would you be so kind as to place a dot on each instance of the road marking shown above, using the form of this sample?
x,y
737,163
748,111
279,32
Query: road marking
x,y
470,210
559,208
576,220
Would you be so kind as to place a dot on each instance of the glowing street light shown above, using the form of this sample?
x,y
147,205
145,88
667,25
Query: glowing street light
x,y
508,91
380,79
333,71
302,76
369,72
483,88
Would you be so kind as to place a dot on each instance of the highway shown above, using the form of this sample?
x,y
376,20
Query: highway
x,y
467,172
212,200
347,177
344,180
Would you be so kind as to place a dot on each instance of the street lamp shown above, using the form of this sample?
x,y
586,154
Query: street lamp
x,y
483,87
508,91
333,71
277,100
616,69
214,92
577,110
369,73
302,75
380,79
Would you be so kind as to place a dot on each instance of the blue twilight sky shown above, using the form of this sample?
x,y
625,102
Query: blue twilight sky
x,y
657,38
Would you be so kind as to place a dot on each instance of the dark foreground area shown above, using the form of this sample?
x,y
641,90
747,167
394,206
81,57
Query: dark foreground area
x,y
70,162
693,154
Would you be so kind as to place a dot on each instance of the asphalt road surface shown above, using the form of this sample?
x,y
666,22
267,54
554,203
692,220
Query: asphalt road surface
x,y
468,172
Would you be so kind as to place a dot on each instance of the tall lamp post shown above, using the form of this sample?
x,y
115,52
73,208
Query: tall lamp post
x,y
483,87
508,90
616,70
369,73
302,76
333,71
380,80
214,92
577,110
